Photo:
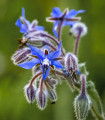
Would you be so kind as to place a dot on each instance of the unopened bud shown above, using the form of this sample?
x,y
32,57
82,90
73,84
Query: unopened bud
x,y
35,37
81,106
51,82
30,93
52,95
21,55
71,61
79,28
82,101
41,99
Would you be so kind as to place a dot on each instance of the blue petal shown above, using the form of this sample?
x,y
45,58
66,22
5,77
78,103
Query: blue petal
x,y
23,12
55,28
59,47
57,64
18,23
27,23
23,29
36,51
55,54
81,11
39,28
22,26
29,64
46,47
46,73
72,13
68,23
56,12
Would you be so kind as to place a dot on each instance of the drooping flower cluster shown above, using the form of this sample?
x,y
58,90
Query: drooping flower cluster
x,y
44,54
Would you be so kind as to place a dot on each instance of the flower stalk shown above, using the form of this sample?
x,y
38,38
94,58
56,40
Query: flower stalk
x,y
37,75
77,42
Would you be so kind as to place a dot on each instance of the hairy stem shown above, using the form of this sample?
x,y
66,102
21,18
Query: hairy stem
x,y
96,114
38,74
83,92
59,30
60,73
77,42
50,37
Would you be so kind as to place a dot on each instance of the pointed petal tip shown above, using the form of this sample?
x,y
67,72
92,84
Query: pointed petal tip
x,y
29,64
81,11
18,23
56,12
57,64
60,44
23,12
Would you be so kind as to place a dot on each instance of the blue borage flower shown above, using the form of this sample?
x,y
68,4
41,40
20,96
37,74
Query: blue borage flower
x,y
27,26
65,18
45,58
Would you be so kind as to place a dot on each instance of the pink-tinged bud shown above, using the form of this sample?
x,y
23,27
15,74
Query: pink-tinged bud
x,y
30,93
71,61
21,55
41,97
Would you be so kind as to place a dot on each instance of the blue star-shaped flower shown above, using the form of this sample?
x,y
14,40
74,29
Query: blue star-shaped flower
x,y
45,59
27,26
66,18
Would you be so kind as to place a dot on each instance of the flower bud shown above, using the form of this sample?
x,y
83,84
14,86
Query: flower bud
x,y
82,101
52,95
71,61
81,106
30,93
21,55
34,24
36,37
51,82
41,99
79,27
51,92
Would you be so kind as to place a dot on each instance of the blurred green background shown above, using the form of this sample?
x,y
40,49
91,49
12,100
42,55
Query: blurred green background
x,y
13,105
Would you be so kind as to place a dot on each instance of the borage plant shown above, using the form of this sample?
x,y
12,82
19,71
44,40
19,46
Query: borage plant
x,y
50,64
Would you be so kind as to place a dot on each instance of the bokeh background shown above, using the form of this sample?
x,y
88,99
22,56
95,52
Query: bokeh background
x,y
13,105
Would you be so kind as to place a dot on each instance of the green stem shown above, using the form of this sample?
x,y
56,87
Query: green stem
x,y
96,114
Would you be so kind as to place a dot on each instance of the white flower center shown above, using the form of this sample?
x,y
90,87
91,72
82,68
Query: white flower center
x,y
46,62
